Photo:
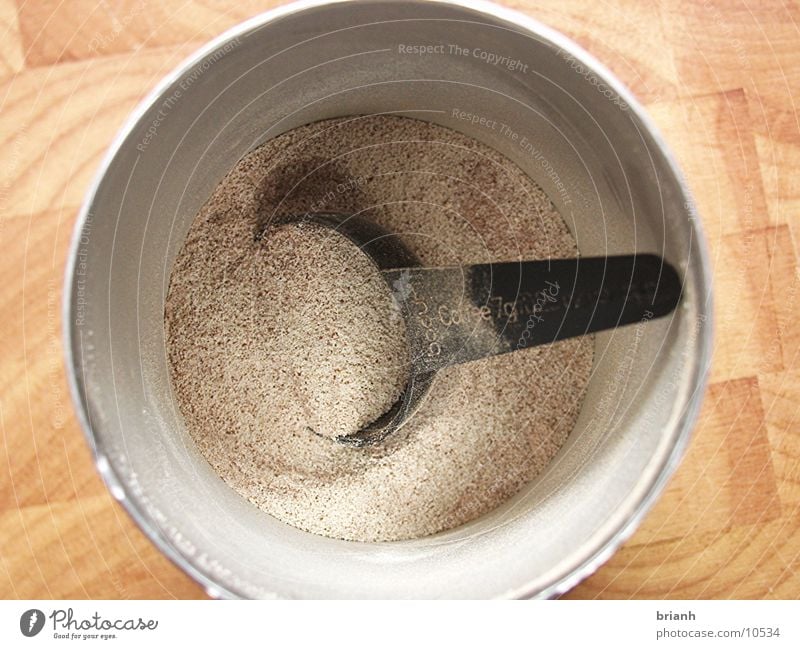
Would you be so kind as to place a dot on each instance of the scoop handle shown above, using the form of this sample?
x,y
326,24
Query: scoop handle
x,y
459,314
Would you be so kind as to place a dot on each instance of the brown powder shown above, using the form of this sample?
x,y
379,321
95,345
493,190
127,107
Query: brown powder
x,y
273,330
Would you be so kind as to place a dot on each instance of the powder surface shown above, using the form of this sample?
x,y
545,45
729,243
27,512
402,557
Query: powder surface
x,y
276,329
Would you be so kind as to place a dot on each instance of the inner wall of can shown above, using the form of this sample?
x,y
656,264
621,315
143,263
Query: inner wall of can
x,y
562,121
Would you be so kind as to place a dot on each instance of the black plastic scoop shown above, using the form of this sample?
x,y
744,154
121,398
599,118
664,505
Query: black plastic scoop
x,y
464,313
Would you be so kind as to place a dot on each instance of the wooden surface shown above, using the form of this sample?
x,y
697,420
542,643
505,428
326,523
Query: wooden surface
x,y
721,78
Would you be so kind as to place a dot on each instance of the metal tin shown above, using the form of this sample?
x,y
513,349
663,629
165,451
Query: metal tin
x,y
491,73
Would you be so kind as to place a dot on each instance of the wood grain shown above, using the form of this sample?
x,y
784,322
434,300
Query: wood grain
x,y
721,79
58,121
626,35
54,31
11,58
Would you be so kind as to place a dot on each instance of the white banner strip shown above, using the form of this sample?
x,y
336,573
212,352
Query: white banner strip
x,y
402,624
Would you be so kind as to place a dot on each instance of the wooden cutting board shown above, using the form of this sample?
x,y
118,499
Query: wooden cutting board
x,y
720,77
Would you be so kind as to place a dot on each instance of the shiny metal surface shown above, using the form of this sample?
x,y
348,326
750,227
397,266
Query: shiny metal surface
x,y
495,308
564,119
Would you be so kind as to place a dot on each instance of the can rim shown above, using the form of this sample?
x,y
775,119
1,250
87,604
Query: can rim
x,y
700,270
